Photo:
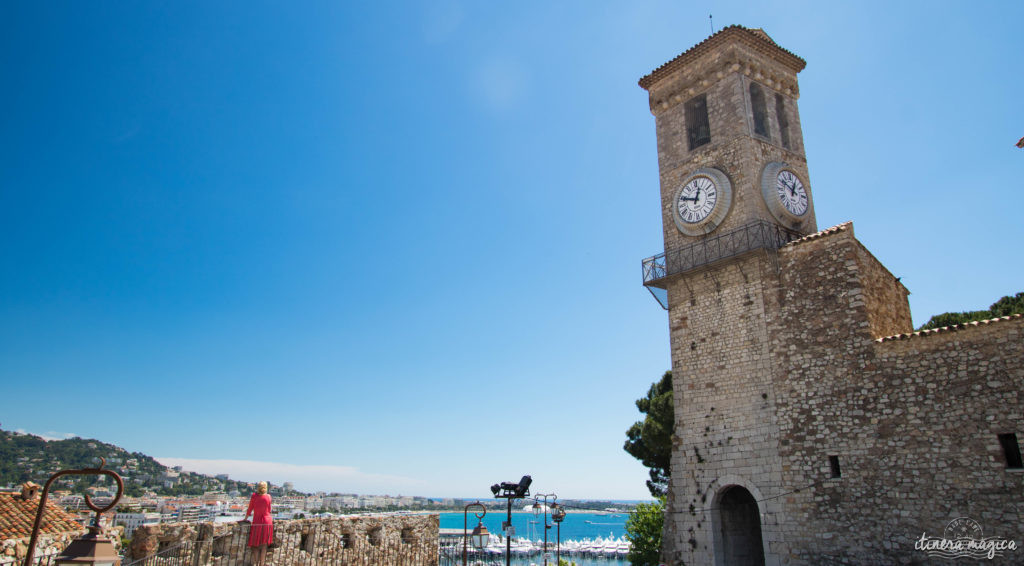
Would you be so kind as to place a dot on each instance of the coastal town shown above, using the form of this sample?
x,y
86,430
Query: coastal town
x,y
521,284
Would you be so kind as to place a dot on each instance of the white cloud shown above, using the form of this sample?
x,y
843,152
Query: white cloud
x,y
308,478
49,435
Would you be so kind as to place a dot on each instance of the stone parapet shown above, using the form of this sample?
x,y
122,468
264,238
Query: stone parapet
x,y
382,539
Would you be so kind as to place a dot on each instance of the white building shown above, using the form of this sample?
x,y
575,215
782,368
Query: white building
x,y
132,521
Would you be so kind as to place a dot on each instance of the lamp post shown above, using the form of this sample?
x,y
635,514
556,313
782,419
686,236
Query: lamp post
x,y
510,491
546,526
480,534
558,515
92,547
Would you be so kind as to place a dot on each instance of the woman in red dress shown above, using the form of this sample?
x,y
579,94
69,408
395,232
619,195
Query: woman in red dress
x,y
261,532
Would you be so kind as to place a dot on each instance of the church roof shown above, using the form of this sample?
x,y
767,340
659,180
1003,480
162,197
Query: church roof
x,y
17,515
755,38
946,329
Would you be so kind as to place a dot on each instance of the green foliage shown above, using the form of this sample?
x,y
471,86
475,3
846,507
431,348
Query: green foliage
x,y
643,529
1008,305
1003,307
650,440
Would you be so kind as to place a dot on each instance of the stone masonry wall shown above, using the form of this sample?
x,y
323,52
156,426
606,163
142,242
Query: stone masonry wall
x,y
725,424
13,551
885,298
913,422
385,539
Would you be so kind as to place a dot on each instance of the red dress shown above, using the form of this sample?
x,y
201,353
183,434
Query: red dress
x,y
262,529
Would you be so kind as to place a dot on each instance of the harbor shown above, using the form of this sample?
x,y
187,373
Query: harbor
x,y
588,539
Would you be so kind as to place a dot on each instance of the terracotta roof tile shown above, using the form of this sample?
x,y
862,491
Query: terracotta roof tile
x,y
17,516
827,231
755,38
945,329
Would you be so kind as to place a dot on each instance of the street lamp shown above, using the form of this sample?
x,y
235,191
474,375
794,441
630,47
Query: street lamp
x,y
558,515
546,526
510,490
480,534
91,548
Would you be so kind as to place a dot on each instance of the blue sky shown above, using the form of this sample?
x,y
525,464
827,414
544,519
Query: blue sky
x,y
395,247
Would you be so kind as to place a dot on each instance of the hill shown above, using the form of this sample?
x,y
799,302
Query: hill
x,y
26,457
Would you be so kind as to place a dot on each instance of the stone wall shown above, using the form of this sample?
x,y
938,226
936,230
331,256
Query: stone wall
x,y
781,361
13,551
384,539
725,424
913,421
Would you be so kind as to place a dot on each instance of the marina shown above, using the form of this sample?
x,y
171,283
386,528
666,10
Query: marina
x,y
588,539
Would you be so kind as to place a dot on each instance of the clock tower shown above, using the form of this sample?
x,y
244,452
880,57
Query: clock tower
x,y
734,189
813,425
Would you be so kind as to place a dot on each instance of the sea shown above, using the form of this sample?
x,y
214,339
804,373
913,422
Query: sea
x,y
576,526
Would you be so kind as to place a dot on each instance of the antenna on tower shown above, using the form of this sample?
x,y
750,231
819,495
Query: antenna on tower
x,y
712,22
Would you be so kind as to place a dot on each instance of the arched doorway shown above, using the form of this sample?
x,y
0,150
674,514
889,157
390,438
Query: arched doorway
x,y
738,529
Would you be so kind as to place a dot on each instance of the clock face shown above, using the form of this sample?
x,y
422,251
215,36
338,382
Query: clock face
x,y
792,193
701,202
697,199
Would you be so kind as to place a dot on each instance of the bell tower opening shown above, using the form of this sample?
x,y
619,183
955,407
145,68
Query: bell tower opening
x,y
737,524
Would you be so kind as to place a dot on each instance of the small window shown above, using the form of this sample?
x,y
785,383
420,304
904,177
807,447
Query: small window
x,y
760,108
698,130
833,464
376,536
1011,450
780,115
407,536
346,540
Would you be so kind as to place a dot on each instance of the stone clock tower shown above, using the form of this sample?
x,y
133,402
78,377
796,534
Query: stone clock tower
x,y
734,188
812,424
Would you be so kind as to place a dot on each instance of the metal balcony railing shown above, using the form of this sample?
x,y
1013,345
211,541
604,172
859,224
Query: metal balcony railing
x,y
756,235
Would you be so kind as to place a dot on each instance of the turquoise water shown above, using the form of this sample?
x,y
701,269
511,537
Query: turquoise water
x,y
576,526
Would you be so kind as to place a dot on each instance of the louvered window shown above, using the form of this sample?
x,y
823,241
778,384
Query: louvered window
x,y
780,114
760,107
698,130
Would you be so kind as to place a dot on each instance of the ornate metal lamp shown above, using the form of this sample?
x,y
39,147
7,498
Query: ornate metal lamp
x,y
536,511
91,548
480,534
558,515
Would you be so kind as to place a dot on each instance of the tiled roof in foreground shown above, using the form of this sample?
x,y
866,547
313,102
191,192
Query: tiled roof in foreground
x,y
17,516
755,38
947,329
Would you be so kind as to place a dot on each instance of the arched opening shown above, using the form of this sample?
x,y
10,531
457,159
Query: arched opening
x,y
738,529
